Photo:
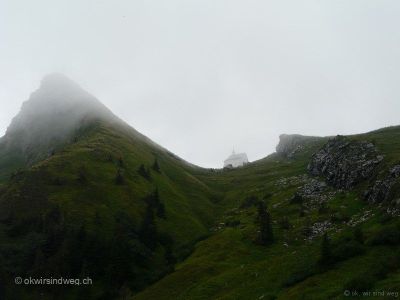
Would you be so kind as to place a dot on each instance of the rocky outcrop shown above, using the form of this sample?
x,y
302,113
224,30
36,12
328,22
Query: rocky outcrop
x,y
290,144
344,162
312,195
387,189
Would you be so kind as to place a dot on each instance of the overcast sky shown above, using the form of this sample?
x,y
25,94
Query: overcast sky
x,y
201,77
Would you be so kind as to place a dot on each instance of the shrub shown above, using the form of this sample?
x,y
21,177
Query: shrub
x,y
296,199
144,172
82,177
360,284
358,235
232,223
156,166
297,277
388,235
266,236
339,218
119,179
284,223
385,218
249,202
326,257
323,209
346,250
120,162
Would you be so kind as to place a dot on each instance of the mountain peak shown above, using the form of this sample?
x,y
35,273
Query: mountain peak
x,y
53,112
58,80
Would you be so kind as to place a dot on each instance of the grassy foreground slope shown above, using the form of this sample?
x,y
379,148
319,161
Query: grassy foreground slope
x,y
230,265
82,194
95,198
77,188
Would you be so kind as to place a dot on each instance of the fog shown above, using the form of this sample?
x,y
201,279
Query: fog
x,y
202,77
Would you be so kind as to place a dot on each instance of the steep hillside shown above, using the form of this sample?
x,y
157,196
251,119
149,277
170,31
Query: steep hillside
x,y
101,199
82,194
47,121
323,187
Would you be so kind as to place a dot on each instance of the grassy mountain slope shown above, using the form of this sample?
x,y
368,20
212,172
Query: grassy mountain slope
x,y
99,202
79,182
83,194
229,265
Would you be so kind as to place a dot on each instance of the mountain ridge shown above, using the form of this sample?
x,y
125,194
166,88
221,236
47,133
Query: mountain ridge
x,y
109,203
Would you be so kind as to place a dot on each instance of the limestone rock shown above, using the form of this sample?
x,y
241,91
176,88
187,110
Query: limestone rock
x,y
384,190
290,144
344,162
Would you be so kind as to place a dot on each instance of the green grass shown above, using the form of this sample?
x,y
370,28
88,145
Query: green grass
x,y
228,265
215,261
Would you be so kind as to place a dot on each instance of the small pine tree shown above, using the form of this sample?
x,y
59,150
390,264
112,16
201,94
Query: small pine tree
x,y
82,178
156,166
169,255
154,201
161,211
358,235
144,172
266,236
326,254
119,179
120,162
148,229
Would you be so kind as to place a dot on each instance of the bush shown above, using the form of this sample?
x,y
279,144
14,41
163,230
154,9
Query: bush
x,y
82,176
385,218
298,277
384,265
358,235
326,257
339,218
347,250
388,235
266,235
284,223
232,223
156,166
296,199
119,179
360,284
145,173
249,202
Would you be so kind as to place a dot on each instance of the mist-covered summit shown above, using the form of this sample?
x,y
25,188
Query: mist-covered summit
x,y
47,120
55,108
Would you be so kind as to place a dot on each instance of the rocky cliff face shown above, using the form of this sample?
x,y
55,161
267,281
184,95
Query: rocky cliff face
x,y
387,189
290,144
344,162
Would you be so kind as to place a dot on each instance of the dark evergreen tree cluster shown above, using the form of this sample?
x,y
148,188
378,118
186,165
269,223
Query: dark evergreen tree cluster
x,y
153,200
326,257
145,173
266,235
119,178
148,228
120,162
82,176
156,166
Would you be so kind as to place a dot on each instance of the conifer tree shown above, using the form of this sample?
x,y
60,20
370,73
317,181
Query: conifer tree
x,y
326,254
148,228
144,172
156,166
119,179
358,235
266,236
